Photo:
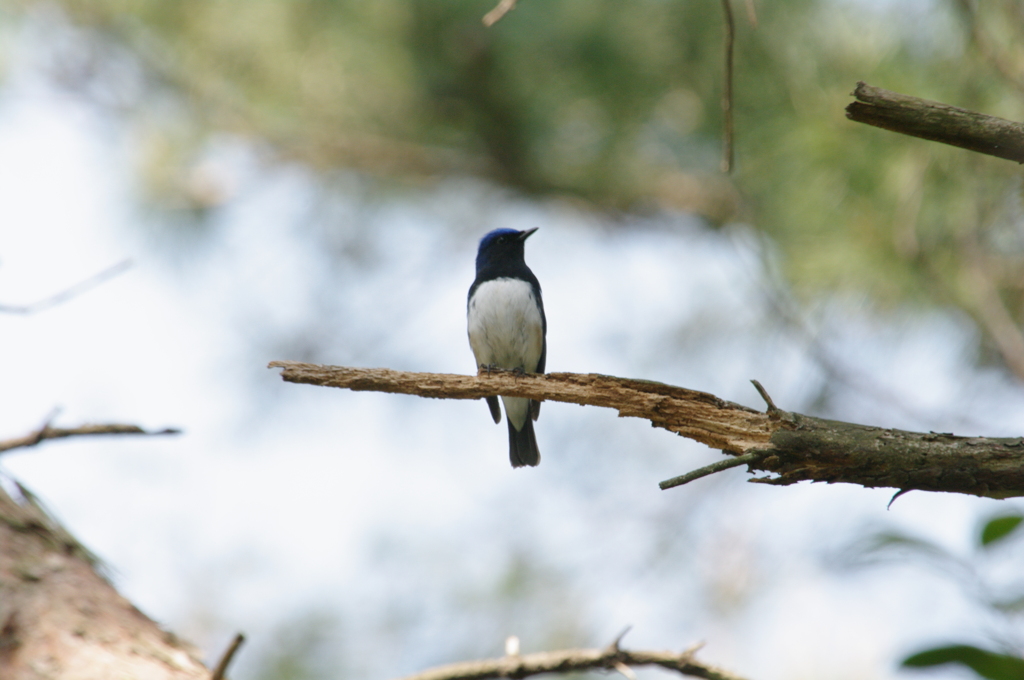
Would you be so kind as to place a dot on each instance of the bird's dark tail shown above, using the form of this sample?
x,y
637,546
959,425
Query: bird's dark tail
x,y
522,444
492,403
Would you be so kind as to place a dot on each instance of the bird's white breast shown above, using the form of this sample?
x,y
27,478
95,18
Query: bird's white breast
x,y
505,326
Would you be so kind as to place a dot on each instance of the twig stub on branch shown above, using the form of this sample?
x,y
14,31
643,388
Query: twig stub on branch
x,y
225,659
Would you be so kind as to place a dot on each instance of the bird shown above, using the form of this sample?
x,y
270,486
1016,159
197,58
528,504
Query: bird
x,y
508,329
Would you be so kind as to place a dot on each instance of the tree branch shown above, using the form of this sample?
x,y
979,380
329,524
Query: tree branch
x,y
792,446
697,415
225,660
571,661
745,459
501,9
937,122
68,293
47,432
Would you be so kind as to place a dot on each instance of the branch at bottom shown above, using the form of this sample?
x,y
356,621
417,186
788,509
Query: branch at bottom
x,y
573,661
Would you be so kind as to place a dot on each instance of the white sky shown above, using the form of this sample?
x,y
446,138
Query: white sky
x,y
281,499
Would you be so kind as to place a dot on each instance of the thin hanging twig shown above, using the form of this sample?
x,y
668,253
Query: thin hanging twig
x,y
68,293
730,38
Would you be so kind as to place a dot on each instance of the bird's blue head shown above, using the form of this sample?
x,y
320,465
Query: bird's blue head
x,y
502,246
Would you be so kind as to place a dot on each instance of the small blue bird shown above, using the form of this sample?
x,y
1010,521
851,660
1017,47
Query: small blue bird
x,y
507,329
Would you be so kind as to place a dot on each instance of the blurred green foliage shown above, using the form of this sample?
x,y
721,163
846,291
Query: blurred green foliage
x,y
998,529
306,647
981,575
617,105
990,665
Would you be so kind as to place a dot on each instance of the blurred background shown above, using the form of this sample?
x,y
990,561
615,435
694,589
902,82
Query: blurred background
x,y
308,180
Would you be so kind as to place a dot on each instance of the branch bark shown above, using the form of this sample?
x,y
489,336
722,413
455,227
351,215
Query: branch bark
x,y
571,661
790,446
937,122
47,432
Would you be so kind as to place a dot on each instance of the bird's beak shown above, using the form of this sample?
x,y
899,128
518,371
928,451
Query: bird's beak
x,y
523,235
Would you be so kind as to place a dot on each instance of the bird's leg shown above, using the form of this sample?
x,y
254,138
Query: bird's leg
x,y
488,368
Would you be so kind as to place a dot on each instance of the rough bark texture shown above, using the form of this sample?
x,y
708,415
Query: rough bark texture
x,y
697,415
937,122
832,451
570,661
792,446
60,620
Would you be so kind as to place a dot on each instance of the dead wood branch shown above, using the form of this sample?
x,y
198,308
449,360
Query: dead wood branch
x,y
937,122
572,661
697,415
792,446
47,432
